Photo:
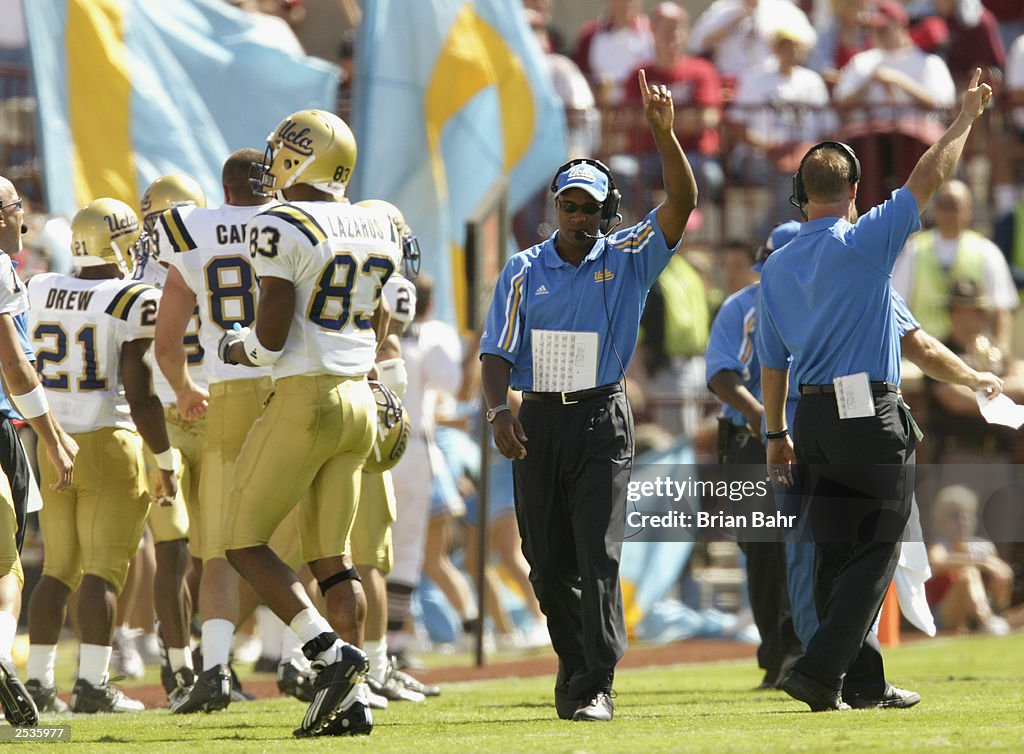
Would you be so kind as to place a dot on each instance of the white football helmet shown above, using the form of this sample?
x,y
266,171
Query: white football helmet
x,y
393,430
103,232
310,146
410,244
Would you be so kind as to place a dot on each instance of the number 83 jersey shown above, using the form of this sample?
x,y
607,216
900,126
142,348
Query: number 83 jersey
x,y
78,327
338,256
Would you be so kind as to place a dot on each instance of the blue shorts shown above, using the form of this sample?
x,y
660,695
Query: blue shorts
x,y
501,500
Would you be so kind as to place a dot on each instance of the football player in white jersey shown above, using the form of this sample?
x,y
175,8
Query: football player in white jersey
x,y
30,399
91,332
210,268
169,524
322,263
372,537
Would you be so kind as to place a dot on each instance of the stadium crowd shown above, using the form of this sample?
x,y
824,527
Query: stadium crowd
x,y
161,340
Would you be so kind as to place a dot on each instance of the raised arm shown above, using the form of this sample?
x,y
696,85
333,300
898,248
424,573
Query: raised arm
x,y
680,186
937,164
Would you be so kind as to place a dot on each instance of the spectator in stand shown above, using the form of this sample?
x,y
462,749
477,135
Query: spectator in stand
x,y
1006,152
556,39
696,90
738,34
612,46
890,92
934,260
780,110
964,34
844,37
970,583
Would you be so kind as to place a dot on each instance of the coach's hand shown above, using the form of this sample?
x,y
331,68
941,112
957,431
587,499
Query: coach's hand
x,y
781,458
509,436
658,107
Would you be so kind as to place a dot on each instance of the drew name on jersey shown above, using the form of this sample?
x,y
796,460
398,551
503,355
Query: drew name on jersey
x,y
58,298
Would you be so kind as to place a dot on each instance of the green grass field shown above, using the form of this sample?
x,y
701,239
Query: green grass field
x,y
973,691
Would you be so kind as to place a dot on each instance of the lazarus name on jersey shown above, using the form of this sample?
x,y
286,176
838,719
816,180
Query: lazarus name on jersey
x,y
338,256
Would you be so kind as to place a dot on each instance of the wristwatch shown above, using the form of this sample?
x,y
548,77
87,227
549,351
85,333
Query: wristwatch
x,y
492,413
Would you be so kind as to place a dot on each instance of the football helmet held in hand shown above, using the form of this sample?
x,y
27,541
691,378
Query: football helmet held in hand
x,y
393,430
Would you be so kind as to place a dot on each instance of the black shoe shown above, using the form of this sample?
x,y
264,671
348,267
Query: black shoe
x,y
19,709
294,681
45,697
181,685
103,698
598,709
816,695
356,720
211,692
893,698
335,690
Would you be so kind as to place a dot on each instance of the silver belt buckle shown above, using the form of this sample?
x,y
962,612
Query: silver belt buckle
x,y
566,402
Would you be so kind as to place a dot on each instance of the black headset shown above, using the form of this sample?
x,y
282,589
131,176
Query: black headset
x,y
610,208
799,196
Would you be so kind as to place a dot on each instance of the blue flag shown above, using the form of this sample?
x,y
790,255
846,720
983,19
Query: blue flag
x,y
130,90
450,96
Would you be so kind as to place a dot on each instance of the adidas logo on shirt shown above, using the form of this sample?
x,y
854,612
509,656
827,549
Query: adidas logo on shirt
x,y
541,291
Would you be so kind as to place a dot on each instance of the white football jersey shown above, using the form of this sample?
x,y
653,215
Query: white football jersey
x,y
400,294
208,247
78,327
338,256
151,272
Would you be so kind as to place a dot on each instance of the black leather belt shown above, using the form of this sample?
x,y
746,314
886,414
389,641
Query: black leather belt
x,y
876,387
577,396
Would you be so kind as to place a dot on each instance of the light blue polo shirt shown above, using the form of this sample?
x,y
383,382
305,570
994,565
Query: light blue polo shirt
x,y
538,290
731,346
827,299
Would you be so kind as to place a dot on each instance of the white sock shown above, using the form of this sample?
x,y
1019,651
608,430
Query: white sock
x,y
41,660
8,628
218,636
309,624
291,648
93,661
377,651
1004,198
270,629
179,658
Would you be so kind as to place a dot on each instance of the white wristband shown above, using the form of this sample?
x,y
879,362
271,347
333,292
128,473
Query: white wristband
x,y
259,354
33,403
165,460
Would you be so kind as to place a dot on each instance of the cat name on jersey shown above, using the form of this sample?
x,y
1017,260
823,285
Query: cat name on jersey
x,y
227,234
58,298
354,227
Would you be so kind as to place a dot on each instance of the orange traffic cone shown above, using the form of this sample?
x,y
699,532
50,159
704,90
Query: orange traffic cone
x,y
889,621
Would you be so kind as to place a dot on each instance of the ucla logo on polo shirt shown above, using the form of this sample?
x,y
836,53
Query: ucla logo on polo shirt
x,y
582,173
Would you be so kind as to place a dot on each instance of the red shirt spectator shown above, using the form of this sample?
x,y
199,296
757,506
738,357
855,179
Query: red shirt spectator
x,y
973,37
694,82
611,46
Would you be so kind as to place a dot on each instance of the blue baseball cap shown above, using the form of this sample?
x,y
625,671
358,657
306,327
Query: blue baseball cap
x,y
781,235
583,176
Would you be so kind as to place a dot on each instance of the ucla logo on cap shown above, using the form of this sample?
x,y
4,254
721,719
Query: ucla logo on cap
x,y
581,173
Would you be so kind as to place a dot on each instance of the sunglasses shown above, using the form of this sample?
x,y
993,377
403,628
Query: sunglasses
x,y
590,208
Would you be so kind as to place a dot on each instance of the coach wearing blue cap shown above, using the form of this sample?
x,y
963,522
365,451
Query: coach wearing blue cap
x,y
562,327
826,302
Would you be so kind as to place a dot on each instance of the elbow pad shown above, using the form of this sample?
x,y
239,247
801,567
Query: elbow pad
x,y
391,373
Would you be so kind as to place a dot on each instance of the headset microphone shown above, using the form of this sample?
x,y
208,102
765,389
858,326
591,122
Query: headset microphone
x,y
582,235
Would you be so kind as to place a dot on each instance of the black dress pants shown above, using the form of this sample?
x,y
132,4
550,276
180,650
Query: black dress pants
x,y
853,475
570,494
16,469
